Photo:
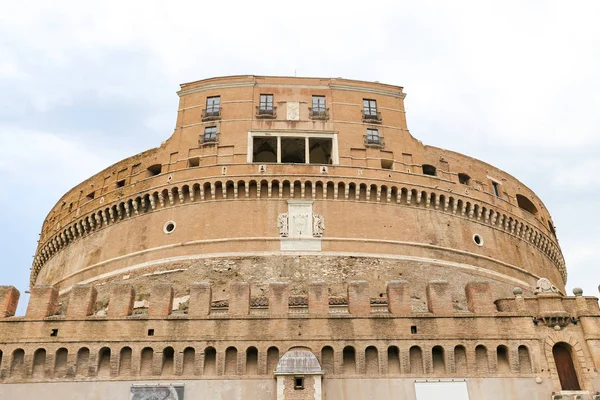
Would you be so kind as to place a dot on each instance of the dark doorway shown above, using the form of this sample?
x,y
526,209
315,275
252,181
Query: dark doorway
x,y
565,367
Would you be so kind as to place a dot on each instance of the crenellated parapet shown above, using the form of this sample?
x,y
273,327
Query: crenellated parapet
x,y
352,336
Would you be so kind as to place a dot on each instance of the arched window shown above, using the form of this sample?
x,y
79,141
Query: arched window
x,y
327,359
349,360
272,359
251,361
429,170
189,360
438,359
125,361
393,360
210,361
372,360
39,363
168,361
563,358
231,361
526,204
416,360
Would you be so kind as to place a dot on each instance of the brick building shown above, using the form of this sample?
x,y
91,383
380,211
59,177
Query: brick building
x,y
292,240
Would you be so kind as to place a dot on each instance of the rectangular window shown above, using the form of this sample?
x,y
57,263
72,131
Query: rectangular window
x,y
213,104
372,136
210,134
266,102
121,183
496,187
370,108
318,104
90,196
298,382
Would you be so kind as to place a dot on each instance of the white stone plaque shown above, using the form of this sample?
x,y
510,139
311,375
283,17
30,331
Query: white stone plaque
x,y
293,111
299,228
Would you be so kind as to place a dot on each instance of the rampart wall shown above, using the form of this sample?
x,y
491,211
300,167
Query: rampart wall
x,y
243,337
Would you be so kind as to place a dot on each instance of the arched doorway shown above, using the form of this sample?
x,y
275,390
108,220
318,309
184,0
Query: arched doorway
x,y
565,367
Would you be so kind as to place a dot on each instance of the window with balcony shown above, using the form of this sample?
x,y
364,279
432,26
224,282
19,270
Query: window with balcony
x,y
318,109
370,113
265,108
213,108
210,134
372,138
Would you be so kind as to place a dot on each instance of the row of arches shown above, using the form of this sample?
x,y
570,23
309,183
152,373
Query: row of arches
x,y
372,360
318,190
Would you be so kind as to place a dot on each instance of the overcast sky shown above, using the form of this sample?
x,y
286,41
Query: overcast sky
x,y
513,83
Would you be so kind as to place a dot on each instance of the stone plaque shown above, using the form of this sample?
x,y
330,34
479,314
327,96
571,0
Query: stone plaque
x,y
156,392
299,228
293,111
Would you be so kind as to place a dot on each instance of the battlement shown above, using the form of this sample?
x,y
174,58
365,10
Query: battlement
x,y
352,335
279,303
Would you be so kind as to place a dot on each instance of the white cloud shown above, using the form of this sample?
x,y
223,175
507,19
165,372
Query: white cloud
x,y
512,83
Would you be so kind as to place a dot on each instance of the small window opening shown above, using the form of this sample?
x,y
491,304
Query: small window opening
x,y
194,162
153,170
91,196
464,178
298,382
293,150
478,240
387,164
70,207
54,332
526,204
413,329
496,189
428,170
169,227
264,149
150,332
121,183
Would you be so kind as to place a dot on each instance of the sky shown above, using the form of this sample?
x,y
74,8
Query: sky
x,y
513,83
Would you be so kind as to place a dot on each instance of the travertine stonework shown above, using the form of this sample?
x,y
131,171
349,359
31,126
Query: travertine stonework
x,y
299,213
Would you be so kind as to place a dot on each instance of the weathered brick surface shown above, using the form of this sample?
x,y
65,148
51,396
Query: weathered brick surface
x,y
82,301
279,296
200,299
121,301
161,302
43,302
439,297
9,299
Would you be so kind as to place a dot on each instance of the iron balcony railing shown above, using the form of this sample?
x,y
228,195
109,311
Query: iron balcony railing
x,y
212,139
373,141
318,113
266,112
372,117
211,114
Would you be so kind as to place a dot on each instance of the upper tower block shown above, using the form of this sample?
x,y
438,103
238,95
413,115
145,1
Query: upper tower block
x,y
282,178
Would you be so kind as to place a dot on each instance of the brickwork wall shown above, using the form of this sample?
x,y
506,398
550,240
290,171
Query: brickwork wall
x,y
125,201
